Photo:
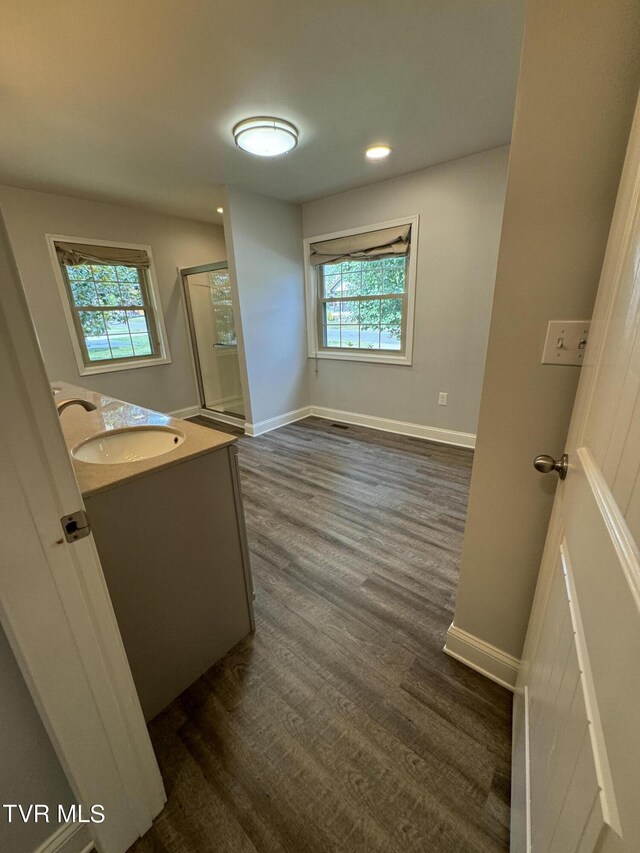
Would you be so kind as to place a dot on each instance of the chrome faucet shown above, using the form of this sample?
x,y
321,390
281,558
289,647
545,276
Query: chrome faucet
x,y
75,401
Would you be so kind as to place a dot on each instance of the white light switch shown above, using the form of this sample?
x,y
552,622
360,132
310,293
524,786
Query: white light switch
x,y
566,342
442,398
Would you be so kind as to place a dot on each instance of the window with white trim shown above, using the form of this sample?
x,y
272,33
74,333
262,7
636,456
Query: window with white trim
x,y
362,305
361,292
111,304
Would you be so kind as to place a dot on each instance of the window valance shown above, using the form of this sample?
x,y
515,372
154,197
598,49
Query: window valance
x,y
75,254
368,245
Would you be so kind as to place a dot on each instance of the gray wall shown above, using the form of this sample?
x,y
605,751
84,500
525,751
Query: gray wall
x,y
264,242
577,91
460,206
175,243
29,768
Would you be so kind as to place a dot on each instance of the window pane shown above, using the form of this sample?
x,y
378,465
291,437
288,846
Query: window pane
x,y
351,279
79,273
116,322
370,313
84,292
391,312
332,312
108,293
119,335
350,312
349,336
130,286
140,336
370,337
103,272
95,335
127,274
390,337
372,275
121,346
332,336
395,270
131,293
331,284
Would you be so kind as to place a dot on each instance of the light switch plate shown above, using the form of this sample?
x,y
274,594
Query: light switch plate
x,y
566,342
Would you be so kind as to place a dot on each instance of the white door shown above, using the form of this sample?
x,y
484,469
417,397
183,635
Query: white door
x,y
54,604
576,764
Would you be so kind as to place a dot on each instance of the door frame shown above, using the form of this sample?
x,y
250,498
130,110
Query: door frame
x,y
54,604
195,352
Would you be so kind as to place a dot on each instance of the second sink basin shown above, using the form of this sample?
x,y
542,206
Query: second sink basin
x,y
128,445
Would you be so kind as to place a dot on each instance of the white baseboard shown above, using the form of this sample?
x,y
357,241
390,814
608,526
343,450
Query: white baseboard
x,y
183,414
483,657
281,420
442,436
68,838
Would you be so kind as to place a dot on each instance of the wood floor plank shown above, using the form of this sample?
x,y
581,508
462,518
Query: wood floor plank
x,y
341,725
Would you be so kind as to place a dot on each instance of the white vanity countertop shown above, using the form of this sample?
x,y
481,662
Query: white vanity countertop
x,y
111,414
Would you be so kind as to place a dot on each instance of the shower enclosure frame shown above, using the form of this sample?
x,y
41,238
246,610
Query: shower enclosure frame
x,y
225,417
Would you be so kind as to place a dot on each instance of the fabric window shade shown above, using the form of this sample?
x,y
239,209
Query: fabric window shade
x,y
369,245
75,254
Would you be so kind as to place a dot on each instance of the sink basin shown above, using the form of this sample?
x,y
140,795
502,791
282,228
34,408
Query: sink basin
x,y
128,445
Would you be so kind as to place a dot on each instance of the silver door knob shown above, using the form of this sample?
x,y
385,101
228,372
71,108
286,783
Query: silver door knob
x,y
546,464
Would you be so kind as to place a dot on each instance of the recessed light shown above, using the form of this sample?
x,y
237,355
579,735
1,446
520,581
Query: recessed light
x,y
220,209
265,136
377,152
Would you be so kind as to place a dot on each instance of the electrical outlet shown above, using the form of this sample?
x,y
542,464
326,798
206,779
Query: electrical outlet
x,y
442,398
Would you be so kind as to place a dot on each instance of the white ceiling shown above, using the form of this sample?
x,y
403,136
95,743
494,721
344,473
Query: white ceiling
x,y
134,101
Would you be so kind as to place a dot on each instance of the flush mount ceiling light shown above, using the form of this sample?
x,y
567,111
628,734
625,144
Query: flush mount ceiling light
x,y
265,136
377,152
220,209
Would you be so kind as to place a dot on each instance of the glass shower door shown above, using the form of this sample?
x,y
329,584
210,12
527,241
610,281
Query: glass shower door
x,y
212,324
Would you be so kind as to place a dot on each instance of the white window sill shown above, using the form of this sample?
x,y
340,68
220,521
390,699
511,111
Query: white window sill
x,y
114,367
373,358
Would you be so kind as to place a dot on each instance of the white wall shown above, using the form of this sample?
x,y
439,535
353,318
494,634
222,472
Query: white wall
x,y
264,242
576,95
460,206
29,769
175,243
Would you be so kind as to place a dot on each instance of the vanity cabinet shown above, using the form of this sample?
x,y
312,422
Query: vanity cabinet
x,y
173,548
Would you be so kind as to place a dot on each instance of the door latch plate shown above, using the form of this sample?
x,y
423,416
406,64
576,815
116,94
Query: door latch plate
x,y
76,526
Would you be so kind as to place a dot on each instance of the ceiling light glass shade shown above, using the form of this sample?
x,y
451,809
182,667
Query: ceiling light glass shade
x,y
265,137
377,152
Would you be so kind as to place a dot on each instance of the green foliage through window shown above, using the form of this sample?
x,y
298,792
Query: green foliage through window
x,y
362,303
112,310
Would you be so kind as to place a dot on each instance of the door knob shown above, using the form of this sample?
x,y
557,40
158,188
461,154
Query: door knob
x,y
546,464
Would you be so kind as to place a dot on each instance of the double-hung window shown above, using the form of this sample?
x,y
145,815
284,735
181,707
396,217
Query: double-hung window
x,y
361,292
111,304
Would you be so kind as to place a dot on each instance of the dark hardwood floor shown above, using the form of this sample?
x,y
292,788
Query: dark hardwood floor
x,y
341,725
